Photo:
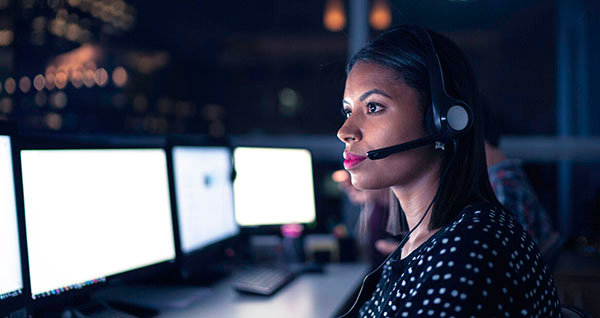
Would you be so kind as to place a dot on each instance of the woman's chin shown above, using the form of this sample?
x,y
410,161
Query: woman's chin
x,y
362,183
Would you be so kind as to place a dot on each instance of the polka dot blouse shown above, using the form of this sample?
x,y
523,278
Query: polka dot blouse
x,y
482,265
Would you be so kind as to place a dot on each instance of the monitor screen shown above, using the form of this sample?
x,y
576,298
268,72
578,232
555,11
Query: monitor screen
x,y
94,213
273,186
11,280
204,197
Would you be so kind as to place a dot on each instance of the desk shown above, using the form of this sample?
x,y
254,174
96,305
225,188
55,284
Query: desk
x,y
309,295
577,278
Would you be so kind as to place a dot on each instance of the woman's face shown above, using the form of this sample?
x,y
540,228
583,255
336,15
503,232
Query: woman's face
x,y
382,111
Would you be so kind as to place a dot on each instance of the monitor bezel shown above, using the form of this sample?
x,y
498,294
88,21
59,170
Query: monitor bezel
x,y
192,263
20,301
75,142
275,229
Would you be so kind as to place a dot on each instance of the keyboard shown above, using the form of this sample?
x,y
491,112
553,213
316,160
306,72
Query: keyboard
x,y
262,280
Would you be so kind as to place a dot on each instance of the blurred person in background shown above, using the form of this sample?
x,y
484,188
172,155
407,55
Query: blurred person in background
x,y
373,217
513,189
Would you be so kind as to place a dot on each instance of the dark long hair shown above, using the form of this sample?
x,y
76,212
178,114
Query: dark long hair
x,y
467,179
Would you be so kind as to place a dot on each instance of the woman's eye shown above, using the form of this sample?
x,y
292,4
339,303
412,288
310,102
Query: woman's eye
x,y
373,107
346,113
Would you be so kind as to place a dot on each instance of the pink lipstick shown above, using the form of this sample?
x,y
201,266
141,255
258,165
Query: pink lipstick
x,y
351,160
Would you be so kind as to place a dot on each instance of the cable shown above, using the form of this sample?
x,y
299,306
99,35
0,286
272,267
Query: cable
x,y
407,235
437,192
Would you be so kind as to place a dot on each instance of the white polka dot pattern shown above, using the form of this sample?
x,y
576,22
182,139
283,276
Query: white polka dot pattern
x,y
481,265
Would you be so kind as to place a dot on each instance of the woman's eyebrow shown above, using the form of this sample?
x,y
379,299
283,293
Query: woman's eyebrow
x,y
367,94
373,91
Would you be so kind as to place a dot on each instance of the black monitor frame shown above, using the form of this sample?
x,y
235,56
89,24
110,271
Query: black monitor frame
x,y
193,264
20,301
72,142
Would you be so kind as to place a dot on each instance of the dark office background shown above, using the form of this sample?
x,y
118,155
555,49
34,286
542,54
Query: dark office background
x,y
269,68
273,67
246,67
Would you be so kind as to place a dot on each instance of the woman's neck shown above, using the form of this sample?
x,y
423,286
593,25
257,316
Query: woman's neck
x,y
416,196
414,199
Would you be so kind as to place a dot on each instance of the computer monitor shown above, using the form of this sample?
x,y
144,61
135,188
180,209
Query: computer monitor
x,y
204,196
94,213
273,186
11,278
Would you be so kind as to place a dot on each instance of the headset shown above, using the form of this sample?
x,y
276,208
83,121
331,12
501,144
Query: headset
x,y
446,120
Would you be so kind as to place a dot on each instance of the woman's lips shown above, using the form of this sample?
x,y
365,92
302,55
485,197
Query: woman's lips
x,y
351,160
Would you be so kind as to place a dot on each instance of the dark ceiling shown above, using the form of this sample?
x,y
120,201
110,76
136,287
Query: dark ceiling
x,y
240,55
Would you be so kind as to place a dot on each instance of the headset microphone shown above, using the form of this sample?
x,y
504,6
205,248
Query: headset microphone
x,y
384,152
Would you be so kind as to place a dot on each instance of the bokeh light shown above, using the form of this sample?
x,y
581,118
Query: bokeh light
x,y
25,84
88,78
39,82
60,80
54,121
77,79
119,76
10,85
6,37
288,102
58,100
6,105
50,81
101,77
381,15
41,98
335,16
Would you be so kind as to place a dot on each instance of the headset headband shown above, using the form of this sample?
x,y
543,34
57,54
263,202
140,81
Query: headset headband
x,y
449,117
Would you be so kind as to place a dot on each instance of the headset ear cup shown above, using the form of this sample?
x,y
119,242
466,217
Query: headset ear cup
x,y
458,118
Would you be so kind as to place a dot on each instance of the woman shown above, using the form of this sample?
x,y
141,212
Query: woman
x,y
465,254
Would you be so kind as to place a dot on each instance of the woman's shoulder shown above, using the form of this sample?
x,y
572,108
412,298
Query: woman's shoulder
x,y
485,219
488,264
478,238
488,240
482,264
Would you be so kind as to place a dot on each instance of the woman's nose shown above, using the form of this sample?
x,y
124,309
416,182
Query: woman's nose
x,y
349,133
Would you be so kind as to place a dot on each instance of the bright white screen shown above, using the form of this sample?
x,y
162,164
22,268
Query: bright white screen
x,y
94,213
10,257
204,195
273,186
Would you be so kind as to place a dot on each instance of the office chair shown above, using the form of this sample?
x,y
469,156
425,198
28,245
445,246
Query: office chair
x,y
573,312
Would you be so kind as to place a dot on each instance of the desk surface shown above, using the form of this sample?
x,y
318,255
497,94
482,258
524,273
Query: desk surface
x,y
309,295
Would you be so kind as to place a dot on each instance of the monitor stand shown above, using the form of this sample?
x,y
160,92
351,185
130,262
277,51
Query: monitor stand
x,y
92,309
203,275
156,297
85,307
